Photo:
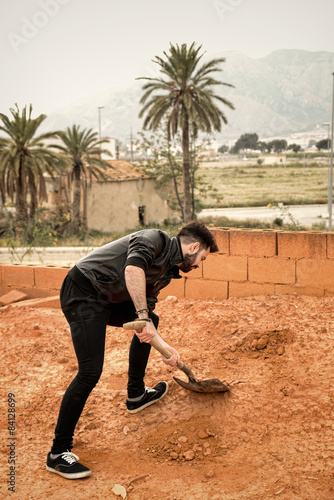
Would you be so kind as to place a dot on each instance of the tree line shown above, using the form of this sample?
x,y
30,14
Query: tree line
x,y
251,142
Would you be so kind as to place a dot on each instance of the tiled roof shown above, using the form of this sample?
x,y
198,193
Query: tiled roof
x,y
123,170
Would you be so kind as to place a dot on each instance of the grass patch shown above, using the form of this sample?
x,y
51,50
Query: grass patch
x,y
242,186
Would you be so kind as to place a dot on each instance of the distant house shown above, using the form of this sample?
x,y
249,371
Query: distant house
x,y
273,159
207,154
312,149
128,198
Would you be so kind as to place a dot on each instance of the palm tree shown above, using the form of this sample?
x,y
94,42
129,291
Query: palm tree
x,y
184,93
24,159
82,150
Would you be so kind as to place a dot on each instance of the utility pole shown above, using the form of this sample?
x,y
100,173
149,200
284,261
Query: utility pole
x,y
328,162
131,142
99,108
100,135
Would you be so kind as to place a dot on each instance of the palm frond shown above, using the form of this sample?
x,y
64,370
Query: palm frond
x,y
185,87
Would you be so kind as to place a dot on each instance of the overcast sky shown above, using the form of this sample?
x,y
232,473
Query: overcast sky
x,y
54,52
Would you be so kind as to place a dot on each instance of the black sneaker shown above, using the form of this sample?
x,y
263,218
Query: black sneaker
x,y
150,397
67,465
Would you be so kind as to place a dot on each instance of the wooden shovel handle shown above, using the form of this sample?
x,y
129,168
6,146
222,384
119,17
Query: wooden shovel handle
x,y
138,325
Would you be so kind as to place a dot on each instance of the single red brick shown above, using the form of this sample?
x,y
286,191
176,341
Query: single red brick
x,y
303,244
316,273
22,276
254,243
12,296
271,270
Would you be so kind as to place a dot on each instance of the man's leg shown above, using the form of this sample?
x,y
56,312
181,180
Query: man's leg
x,y
88,327
139,396
138,359
139,351
88,322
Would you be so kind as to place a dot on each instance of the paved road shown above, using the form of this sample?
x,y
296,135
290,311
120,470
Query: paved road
x,y
306,215
49,256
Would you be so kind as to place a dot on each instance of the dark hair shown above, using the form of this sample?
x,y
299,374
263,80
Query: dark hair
x,y
197,231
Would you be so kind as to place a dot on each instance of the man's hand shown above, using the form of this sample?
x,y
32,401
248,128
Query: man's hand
x,y
174,360
147,334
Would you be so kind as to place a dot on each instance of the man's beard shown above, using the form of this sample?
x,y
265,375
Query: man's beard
x,y
187,264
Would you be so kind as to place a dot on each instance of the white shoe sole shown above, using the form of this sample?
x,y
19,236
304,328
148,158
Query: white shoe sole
x,y
76,475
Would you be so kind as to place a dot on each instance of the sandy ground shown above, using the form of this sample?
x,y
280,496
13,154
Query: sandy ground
x,y
270,437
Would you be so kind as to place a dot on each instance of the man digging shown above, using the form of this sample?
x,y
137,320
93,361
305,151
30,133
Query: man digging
x,y
115,284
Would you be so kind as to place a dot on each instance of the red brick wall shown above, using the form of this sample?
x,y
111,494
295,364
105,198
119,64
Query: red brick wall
x,y
249,262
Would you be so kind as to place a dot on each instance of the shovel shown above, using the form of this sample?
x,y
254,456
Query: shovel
x,y
209,385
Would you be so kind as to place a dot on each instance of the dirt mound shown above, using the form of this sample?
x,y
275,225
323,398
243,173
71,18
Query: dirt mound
x,y
270,436
265,345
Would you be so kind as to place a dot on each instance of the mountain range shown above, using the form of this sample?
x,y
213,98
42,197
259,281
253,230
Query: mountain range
x,y
286,92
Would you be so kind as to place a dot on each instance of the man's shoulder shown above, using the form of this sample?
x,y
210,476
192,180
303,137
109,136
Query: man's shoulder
x,y
152,234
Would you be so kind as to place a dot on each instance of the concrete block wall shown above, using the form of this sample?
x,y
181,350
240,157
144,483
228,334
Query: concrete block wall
x,y
249,262
262,262
35,281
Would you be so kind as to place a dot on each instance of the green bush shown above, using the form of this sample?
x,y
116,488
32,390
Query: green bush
x,y
43,230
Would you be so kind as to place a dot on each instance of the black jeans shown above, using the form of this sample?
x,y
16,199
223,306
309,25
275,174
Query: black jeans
x,y
88,316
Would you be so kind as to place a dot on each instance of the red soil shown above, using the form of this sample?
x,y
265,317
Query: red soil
x,y
270,437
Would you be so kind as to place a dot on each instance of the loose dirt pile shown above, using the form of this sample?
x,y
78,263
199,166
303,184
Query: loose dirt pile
x,y
270,437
